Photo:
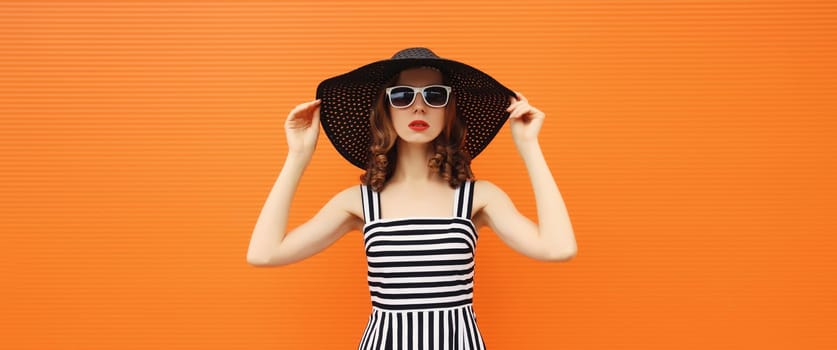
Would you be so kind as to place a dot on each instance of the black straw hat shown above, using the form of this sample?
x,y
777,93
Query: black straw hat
x,y
347,100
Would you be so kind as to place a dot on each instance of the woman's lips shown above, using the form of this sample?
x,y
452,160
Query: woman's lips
x,y
418,125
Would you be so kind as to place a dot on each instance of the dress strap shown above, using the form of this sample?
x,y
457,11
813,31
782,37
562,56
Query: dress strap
x,y
371,203
463,200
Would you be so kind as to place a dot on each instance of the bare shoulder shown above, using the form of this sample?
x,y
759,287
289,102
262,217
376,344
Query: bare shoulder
x,y
484,193
484,190
349,200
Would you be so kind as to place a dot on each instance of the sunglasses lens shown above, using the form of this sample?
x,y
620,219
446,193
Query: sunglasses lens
x,y
435,96
401,97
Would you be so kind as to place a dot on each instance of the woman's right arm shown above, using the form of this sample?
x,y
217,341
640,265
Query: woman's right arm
x,y
269,244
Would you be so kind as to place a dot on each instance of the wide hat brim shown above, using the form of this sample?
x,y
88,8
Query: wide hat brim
x,y
347,99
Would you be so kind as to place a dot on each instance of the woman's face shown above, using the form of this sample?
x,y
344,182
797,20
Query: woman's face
x,y
418,123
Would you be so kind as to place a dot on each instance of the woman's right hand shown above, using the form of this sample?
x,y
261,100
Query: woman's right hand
x,y
302,128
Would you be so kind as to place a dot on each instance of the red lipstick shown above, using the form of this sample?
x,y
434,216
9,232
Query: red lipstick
x,y
418,125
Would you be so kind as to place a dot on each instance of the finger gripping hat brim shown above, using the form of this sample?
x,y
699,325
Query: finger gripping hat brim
x,y
347,99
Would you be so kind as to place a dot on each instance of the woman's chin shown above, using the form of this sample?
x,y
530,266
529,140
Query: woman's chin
x,y
417,138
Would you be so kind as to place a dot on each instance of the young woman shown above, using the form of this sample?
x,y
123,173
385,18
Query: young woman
x,y
413,123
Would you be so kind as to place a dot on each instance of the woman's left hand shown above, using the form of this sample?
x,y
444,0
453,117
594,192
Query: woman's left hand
x,y
525,120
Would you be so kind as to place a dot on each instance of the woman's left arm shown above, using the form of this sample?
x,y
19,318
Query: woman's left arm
x,y
552,239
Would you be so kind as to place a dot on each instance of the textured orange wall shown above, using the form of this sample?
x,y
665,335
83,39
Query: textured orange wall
x,y
690,140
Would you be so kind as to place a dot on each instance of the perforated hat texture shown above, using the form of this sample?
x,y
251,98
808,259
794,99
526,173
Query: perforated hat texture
x,y
347,99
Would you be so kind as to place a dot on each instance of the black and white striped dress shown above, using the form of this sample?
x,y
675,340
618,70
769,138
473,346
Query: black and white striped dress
x,y
421,278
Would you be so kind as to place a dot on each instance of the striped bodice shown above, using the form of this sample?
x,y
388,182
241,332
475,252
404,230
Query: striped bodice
x,y
421,277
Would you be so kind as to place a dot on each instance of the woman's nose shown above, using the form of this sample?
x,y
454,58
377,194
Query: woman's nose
x,y
418,104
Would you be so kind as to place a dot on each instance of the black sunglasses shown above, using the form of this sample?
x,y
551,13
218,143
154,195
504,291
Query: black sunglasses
x,y
403,96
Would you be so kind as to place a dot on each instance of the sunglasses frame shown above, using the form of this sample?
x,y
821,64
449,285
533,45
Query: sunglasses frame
x,y
419,91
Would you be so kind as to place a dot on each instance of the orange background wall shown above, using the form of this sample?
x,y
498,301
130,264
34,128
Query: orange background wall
x,y
690,140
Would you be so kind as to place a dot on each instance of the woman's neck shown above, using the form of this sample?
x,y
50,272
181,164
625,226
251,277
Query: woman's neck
x,y
411,165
